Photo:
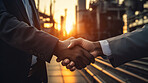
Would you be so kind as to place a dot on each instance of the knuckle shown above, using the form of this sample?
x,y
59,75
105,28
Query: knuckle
x,y
71,63
67,67
63,63
80,38
71,37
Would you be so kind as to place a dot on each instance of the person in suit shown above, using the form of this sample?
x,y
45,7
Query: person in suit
x,y
119,49
24,48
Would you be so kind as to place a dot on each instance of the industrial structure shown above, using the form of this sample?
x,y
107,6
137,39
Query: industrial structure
x,y
102,20
109,18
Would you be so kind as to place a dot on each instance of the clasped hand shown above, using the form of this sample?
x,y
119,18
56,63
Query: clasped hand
x,y
77,53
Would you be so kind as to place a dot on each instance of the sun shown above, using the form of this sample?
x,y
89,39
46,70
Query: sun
x,y
69,27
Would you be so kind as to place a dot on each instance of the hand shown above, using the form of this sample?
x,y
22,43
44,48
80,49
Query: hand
x,y
77,54
93,47
70,64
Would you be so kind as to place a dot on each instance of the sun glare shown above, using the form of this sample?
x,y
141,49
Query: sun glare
x,y
68,27
59,8
59,27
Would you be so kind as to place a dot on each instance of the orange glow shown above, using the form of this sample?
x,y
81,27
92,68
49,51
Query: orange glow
x,y
41,17
58,9
68,27
48,25
56,27
47,19
66,72
64,34
124,29
59,27
90,9
125,23
44,19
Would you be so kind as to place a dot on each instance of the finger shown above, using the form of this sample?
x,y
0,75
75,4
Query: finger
x,y
76,62
73,69
58,60
74,42
71,38
70,65
65,62
89,56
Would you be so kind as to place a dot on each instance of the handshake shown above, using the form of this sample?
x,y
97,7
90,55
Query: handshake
x,y
77,53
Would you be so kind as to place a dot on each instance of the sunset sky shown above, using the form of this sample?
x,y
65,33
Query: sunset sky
x,y
60,6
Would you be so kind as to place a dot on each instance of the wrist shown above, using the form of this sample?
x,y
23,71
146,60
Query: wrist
x,y
98,48
56,49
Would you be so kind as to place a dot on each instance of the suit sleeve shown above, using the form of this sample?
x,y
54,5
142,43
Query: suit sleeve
x,y
129,46
24,37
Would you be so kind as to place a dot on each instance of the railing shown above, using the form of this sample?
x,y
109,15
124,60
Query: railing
x,y
103,72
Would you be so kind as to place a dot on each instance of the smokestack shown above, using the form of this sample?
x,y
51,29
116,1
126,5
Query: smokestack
x,y
80,12
81,4
50,7
76,17
38,4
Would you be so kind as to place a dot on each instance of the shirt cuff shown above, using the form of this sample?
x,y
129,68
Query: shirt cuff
x,y
105,47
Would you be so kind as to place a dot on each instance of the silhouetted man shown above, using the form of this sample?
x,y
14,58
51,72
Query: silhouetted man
x,y
24,48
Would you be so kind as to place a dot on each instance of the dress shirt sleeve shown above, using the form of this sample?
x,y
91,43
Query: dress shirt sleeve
x,y
105,47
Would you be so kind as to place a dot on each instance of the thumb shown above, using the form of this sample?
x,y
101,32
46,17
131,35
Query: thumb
x,y
75,42
71,38
72,43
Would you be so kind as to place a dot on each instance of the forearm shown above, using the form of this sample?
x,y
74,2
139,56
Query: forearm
x,y
24,37
128,46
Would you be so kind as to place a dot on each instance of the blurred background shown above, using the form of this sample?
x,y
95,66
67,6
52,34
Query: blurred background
x,y
97,20
91,19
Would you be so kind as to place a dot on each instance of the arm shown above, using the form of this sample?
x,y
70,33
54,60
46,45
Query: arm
x,y
24,37
120,49
130,46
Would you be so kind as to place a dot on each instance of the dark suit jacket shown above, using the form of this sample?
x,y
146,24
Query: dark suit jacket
x,y
129,46
19,40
